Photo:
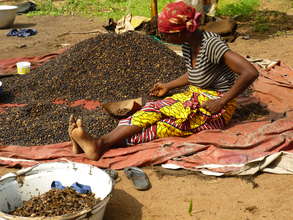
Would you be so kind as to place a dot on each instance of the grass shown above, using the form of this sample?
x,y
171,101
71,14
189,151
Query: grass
x,y
272,22
259,21
190,207
244,11
119,8
238,8
261,24
92,8
116,9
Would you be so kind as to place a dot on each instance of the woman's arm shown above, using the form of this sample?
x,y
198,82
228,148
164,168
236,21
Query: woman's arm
x,y
160,89
179,82
247,74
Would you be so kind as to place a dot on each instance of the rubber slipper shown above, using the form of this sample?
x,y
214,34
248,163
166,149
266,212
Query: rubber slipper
x,y
26,7
78,187
112,173
139,179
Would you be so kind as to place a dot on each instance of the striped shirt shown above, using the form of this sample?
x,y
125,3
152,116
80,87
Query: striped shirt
x,y
209,72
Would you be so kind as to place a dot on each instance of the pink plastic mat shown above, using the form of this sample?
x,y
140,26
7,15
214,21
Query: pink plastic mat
x,y
238,144
274,87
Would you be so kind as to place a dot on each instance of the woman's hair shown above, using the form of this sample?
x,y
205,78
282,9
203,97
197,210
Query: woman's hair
x,y
178,16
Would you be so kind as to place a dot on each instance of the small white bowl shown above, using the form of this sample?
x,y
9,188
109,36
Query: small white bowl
x,y
7,15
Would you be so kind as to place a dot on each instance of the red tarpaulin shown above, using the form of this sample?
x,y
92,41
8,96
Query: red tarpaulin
x,y
234,146
9,65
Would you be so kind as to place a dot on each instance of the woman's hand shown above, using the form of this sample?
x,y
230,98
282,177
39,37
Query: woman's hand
x,y
214,105
159,89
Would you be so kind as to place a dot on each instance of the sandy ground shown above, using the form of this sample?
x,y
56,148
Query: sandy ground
x,y
266,197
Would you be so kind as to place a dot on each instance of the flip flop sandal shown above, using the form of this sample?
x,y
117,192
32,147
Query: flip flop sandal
x,y
139,178
112,173
26,7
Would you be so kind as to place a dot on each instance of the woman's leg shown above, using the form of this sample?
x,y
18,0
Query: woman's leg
x,y
72,125
94,147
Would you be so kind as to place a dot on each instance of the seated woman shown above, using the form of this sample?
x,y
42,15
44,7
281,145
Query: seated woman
x,y
208,103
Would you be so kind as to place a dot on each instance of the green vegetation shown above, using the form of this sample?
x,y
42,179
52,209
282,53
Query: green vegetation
x,y
245,11
104,8
118,8
190,207
271,21
261,24
237,8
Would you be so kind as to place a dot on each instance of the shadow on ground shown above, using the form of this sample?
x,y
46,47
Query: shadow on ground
x,y
23,25
123,206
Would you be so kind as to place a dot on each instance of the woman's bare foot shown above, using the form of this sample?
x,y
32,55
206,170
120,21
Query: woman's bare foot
x,y
72,125
90,145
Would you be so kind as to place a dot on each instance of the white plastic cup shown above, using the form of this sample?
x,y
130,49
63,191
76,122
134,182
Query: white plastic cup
x,y
23,67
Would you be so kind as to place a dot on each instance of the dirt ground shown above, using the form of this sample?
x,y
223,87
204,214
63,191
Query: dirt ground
x,y
266,197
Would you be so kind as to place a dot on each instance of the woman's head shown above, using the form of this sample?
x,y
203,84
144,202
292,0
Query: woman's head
x,y
178,17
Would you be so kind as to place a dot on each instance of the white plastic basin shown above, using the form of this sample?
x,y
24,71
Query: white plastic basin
x,y
33,181
7,15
